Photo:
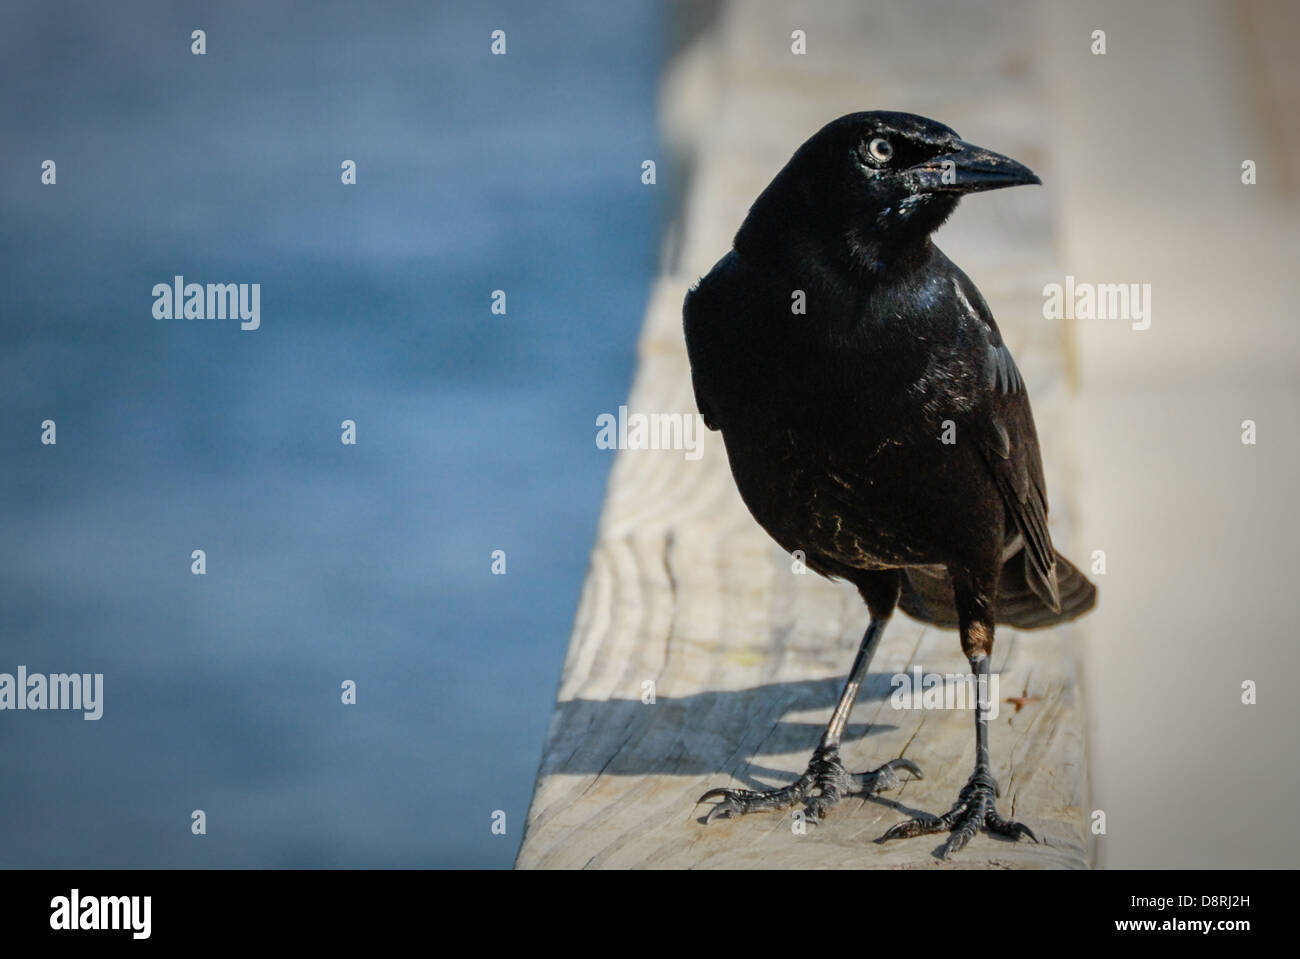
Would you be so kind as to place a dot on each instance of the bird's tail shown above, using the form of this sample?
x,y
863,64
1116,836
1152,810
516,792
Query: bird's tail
x,y
927,596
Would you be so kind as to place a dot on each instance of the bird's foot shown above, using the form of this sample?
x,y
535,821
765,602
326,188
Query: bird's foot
x,y
974,809
824,783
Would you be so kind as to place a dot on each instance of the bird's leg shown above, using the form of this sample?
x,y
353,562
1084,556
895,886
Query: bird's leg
x,y
825,781
975,806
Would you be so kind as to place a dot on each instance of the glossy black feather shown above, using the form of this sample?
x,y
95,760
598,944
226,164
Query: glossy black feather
x,y
834,419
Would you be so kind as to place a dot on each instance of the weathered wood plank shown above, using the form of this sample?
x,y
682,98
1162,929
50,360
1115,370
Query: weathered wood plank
x,y
687,592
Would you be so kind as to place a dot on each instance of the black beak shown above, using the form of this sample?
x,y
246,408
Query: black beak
x,y
969,169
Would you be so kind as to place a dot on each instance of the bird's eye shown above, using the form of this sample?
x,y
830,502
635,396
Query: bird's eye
x,y
881,150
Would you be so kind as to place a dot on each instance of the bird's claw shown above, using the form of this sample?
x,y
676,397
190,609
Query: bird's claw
x,y
822,785
886,777
974,809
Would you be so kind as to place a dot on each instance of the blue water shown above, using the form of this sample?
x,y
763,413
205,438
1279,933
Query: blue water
x,y
325,562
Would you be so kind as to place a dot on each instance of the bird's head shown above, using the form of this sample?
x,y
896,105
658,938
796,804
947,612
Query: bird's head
x,y
870,185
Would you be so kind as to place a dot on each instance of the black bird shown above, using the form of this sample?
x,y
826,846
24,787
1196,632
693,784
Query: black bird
x,y
875,420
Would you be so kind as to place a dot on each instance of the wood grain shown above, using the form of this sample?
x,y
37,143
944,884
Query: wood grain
x,y
685,591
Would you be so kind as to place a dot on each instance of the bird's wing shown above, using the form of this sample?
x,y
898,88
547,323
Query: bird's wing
x,y
1008,442
692,313
706,320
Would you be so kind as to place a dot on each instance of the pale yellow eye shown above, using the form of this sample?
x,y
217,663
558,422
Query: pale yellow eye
x,y
881,150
